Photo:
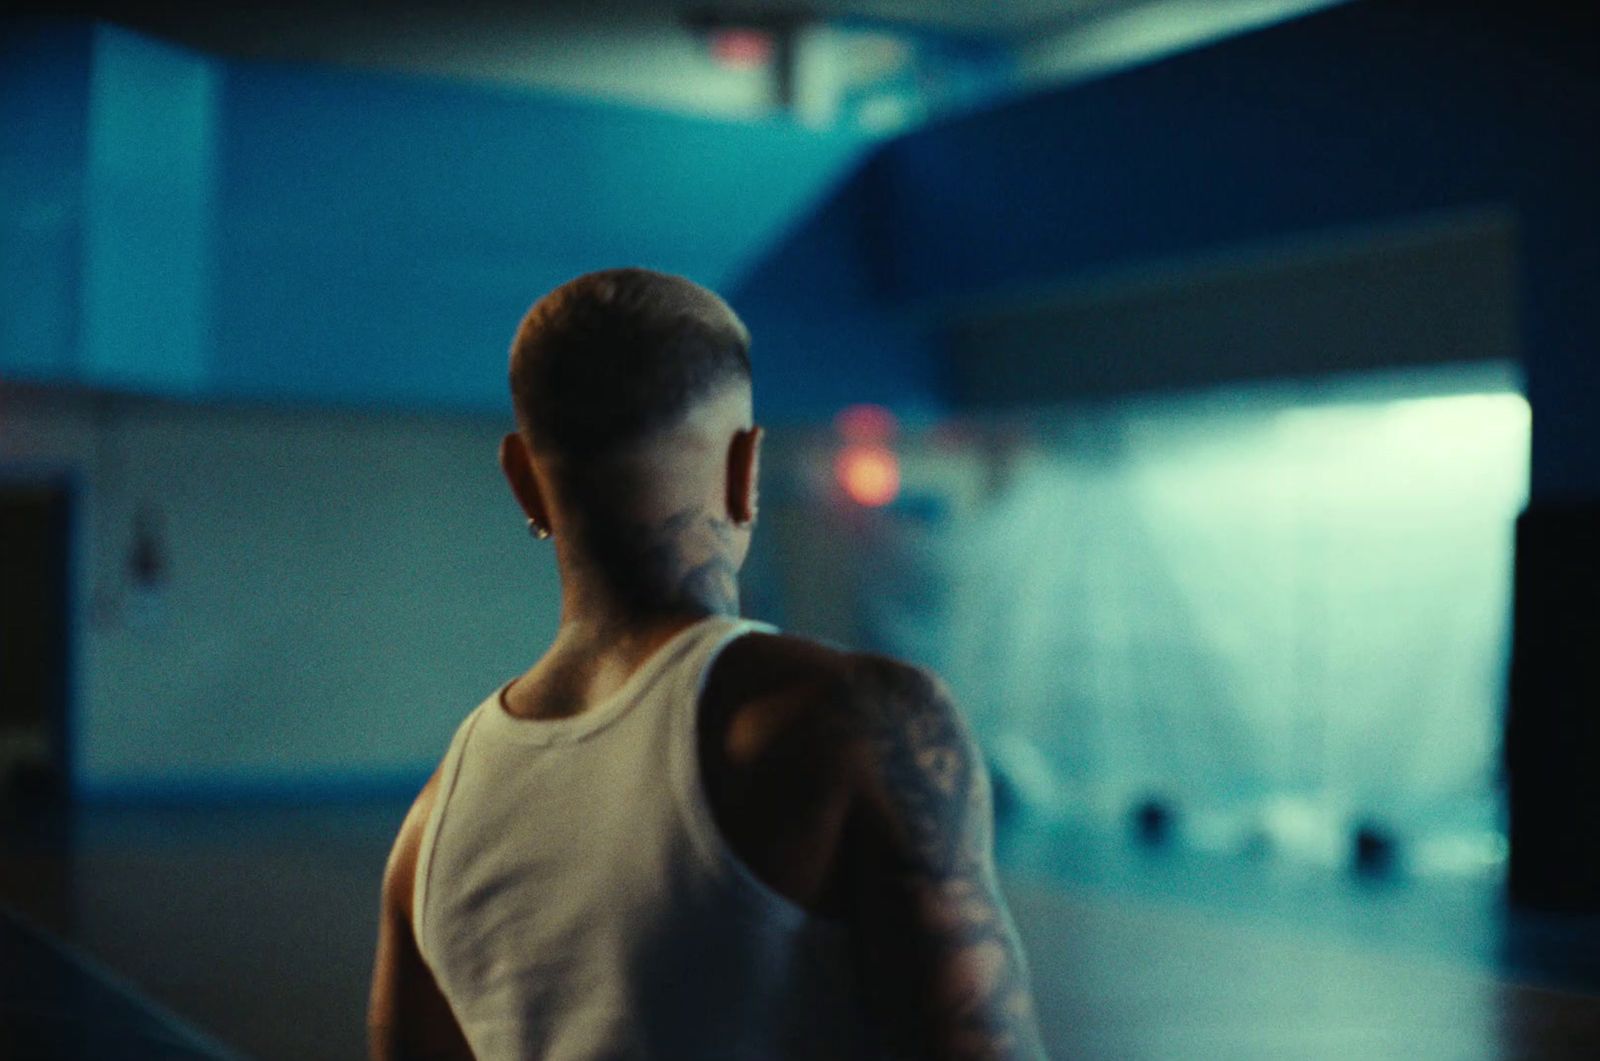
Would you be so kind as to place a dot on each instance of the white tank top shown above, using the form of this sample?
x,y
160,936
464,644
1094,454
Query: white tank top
x,y
576,901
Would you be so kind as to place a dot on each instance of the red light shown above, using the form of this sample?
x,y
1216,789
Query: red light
x,y
869,475
741,49
866,424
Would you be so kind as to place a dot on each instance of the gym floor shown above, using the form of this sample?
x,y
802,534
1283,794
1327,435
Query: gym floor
x,y
228,932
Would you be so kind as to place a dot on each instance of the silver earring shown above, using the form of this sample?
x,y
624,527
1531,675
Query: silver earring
x,y
537,529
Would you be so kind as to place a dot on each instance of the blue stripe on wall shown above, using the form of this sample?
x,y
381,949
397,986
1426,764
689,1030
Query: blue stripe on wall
x,y
352,786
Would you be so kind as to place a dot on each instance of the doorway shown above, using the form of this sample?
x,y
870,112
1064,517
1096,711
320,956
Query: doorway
x,y
35,530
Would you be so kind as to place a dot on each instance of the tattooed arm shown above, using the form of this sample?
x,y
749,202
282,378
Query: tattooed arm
x,y
940,955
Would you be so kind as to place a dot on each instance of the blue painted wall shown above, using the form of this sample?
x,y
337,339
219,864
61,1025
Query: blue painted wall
x,y
379,239
824,334
182,225
44,111
1358,114
148,186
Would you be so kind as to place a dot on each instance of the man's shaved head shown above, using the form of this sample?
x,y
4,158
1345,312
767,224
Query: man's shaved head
x,y
604,361
636,447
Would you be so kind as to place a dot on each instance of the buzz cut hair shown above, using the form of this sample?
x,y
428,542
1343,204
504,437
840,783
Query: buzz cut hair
x,y
611,357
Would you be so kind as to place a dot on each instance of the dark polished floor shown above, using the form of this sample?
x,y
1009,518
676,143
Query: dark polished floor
x,y
59,1003
250,929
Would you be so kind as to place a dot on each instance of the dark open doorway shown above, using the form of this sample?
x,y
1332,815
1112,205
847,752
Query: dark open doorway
x,y
35,534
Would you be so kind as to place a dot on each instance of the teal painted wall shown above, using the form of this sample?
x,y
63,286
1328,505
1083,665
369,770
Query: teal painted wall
x,y
186,226
379,239
149,182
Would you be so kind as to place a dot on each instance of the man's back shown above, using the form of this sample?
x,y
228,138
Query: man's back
x,y
574,898
769,849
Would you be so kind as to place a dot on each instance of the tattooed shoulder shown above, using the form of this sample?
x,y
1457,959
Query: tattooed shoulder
x,y
927,771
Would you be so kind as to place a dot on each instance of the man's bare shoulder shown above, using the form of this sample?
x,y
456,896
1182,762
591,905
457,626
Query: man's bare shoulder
x,y
407,1016
399,875
851,694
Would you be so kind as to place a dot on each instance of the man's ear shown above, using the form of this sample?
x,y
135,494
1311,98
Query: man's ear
x,y
517,464
744,473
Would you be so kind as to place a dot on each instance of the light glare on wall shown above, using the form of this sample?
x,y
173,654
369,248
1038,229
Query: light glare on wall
x,y
869,474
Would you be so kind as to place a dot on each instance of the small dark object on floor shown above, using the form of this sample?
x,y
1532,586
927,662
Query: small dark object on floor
x,y
1373,850
1153,821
